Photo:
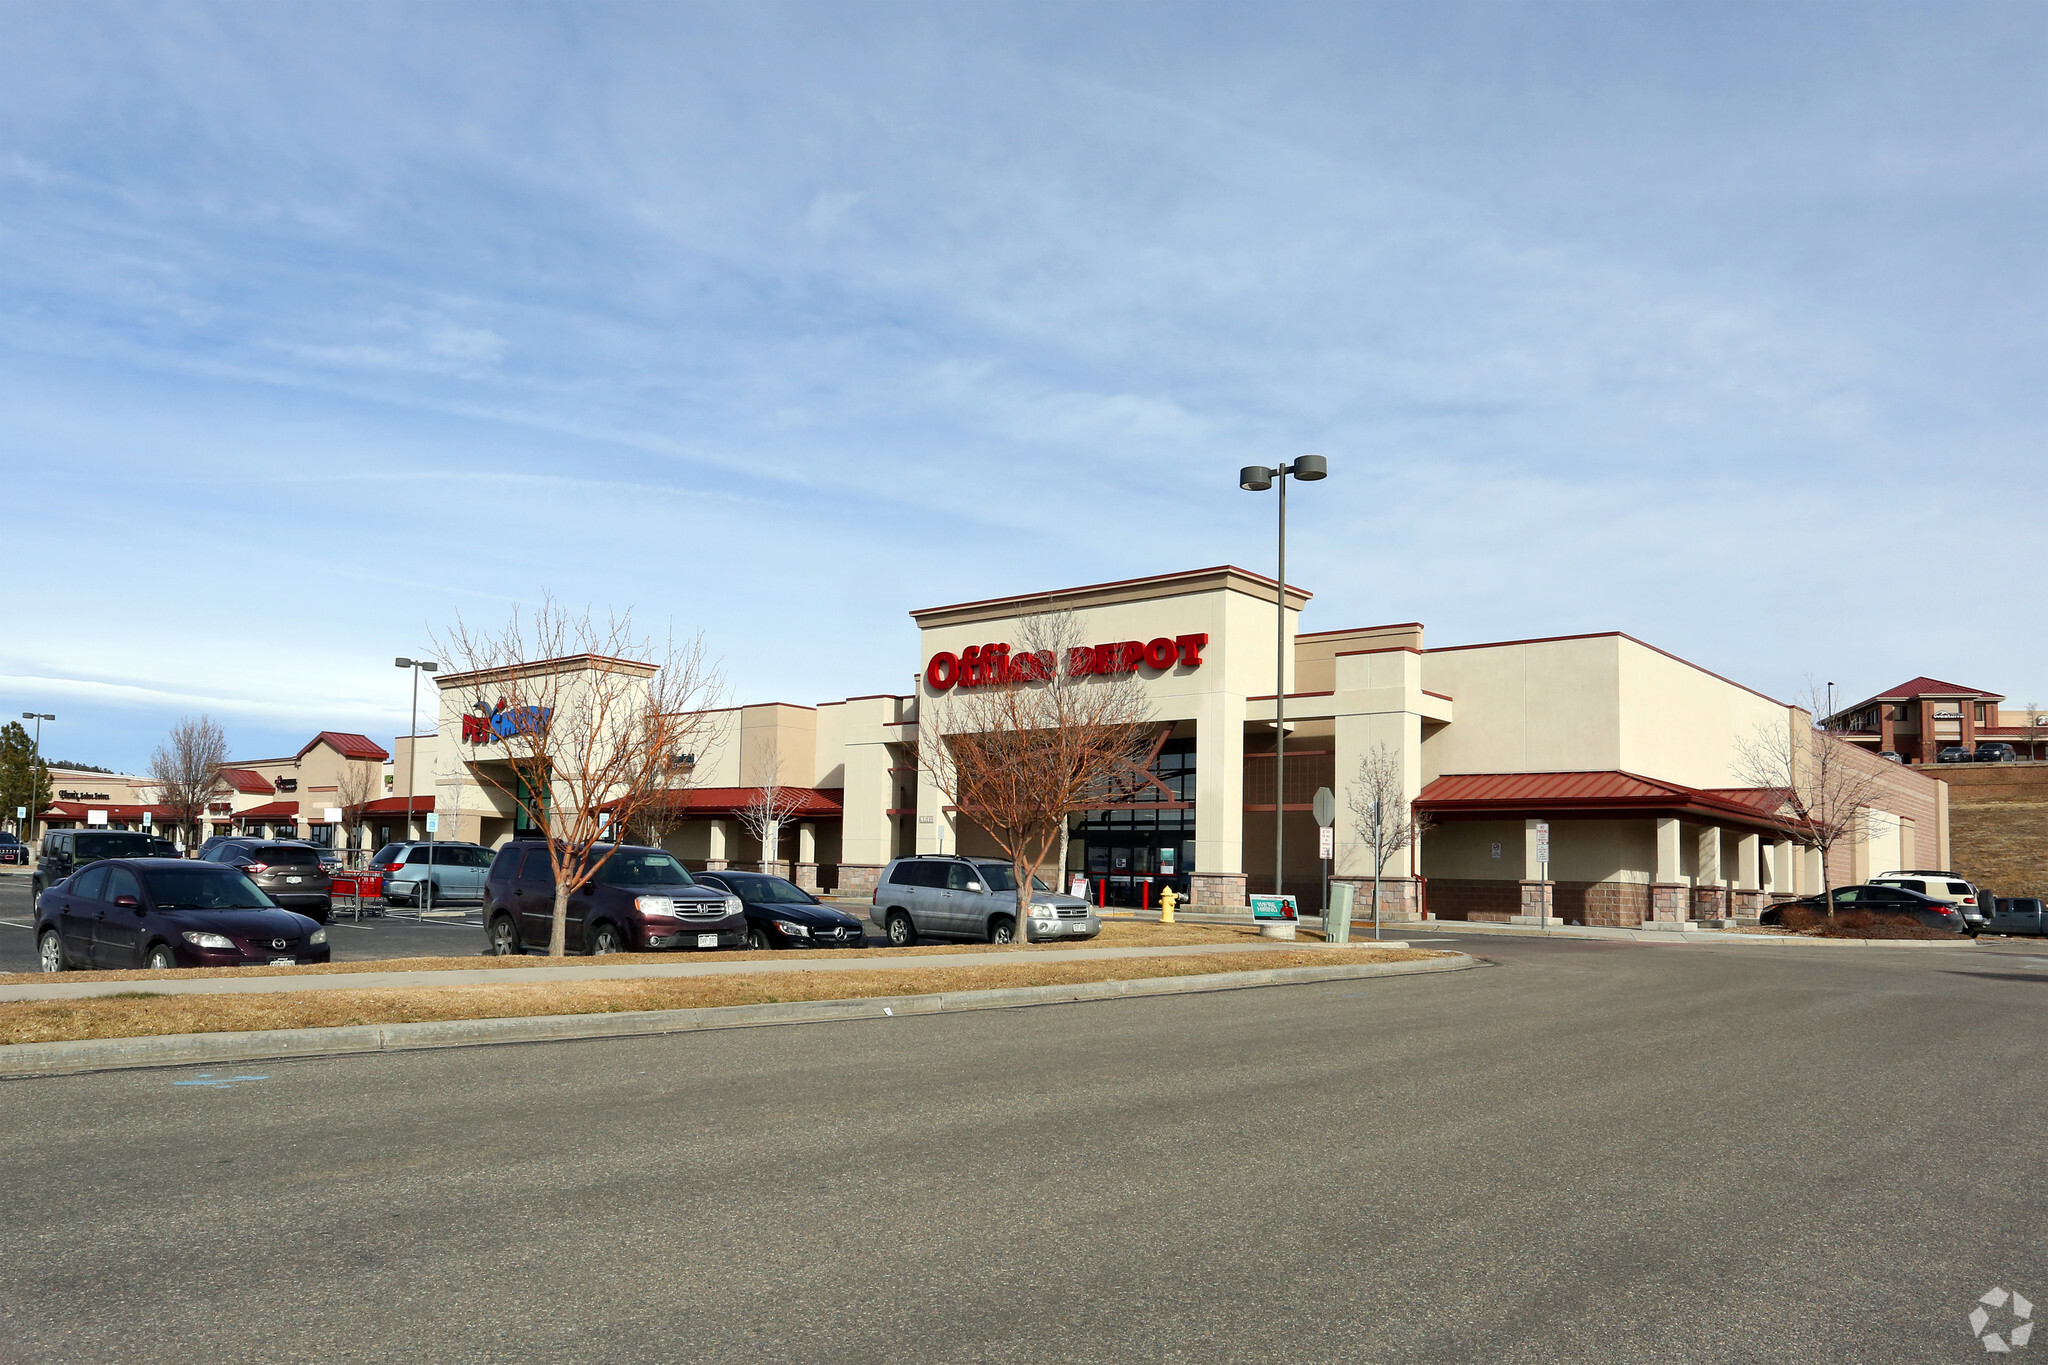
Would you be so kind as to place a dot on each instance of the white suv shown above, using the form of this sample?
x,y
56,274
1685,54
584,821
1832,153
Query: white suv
x,y
1942,886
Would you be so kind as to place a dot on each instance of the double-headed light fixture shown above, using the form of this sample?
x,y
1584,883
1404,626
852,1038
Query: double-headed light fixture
x,y
1257,478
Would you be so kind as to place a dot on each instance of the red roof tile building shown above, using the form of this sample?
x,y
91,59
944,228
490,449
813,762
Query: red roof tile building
x,y
1921,717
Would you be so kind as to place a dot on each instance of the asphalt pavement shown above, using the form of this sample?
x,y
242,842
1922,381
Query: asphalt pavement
x,y
1589,1151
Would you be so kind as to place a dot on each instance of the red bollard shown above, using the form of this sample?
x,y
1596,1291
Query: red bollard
x,y
1145,894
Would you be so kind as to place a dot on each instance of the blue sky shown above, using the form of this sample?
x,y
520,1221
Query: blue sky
x,y
1718,324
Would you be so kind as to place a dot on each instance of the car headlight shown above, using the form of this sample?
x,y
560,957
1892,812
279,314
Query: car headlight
x,y
319,937
204,940
1043,912
654,905
733,905
793,930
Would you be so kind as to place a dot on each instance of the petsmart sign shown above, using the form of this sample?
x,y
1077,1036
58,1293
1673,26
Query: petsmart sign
x,y
485,726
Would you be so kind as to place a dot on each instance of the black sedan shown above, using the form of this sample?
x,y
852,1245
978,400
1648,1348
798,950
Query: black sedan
x,y
163,912
781,914
1881,900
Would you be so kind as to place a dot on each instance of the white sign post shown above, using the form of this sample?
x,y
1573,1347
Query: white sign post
x,y
1543,872
146,821
1324,808
95,817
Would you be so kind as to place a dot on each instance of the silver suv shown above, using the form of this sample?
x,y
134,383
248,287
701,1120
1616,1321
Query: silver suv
x,y
945,896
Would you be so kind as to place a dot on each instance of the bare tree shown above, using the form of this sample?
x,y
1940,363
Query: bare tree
x,y
1019,741
1827,782
579,720
1385,823
185,770
768,809
353,790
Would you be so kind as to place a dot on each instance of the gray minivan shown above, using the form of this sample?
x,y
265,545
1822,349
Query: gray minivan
x,y
454,872
945,896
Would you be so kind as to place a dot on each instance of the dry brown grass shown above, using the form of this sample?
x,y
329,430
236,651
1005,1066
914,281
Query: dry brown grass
x,y
1115,934
140,1014
1860,924
2000,845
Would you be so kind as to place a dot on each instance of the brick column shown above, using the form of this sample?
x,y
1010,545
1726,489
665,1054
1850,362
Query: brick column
x,y
1670,896
1217,891
1400,899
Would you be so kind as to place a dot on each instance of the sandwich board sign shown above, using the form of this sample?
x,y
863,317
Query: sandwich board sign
x,y
1273,907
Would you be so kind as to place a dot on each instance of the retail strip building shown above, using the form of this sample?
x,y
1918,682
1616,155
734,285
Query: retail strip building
x,y
1626,753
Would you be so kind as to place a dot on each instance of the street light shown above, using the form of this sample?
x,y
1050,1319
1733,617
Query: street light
x,y
1257,479
412,753
35,766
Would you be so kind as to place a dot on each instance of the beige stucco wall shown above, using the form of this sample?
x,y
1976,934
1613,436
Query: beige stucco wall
x,y
1544,706
1682,724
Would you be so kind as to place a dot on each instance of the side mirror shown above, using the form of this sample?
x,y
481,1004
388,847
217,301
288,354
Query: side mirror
x,y
128,902
974,886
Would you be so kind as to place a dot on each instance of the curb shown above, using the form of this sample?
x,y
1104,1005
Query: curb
x,y
1668,937
21,1060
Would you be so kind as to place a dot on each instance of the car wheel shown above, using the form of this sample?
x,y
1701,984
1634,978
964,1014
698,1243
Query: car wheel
x,y
1002,929
902,933
504,937
50,951
757,940
160,958
603,941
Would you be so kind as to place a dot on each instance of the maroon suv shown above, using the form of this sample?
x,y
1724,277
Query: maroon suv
x,y
640,900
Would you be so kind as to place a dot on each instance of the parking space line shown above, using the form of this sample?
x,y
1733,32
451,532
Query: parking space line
x,y
16,924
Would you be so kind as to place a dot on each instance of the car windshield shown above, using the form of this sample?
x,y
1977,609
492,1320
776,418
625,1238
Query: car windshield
x,y
642,867
112,845
203,888
771,891
1001,877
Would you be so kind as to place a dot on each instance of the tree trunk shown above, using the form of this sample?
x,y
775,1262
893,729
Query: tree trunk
x,y
558,932
1023,877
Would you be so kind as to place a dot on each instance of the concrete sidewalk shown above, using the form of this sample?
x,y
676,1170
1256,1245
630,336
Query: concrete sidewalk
x,y
258,984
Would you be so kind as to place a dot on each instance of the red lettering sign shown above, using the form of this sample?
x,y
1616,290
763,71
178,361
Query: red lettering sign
x,y
981,665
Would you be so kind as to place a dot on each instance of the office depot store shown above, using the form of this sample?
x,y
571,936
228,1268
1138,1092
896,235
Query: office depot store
x,y
1624,752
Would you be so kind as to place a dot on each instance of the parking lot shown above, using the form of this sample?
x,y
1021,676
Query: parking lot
x,y
449,933
402,933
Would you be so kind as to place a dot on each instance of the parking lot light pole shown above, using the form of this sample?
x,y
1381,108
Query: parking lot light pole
x,y
1257,479
35,766
412,764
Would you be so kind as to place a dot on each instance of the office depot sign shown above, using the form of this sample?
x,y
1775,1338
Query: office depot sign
x,y
980,665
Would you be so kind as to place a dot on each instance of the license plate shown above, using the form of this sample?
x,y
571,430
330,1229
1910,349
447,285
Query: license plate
x,y
284,962
292,881
707,940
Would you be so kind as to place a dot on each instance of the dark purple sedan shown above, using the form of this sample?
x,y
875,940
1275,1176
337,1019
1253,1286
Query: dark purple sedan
x,y
164,912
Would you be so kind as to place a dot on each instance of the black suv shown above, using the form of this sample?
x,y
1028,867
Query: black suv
x,y
289,873
1996,751
65,851
640,899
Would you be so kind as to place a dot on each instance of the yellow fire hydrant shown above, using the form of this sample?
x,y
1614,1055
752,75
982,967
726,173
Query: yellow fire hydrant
x,y
1167,900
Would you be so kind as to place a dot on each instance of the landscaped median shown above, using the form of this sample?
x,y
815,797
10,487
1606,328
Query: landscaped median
x,y
141,1027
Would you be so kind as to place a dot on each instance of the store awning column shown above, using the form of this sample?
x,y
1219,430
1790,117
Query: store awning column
x,y
1218,879
1709,891
1749,887
1379,701
715,855
1670,897
1784,868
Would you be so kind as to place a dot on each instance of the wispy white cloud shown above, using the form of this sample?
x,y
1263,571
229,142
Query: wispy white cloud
x,y
627,303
